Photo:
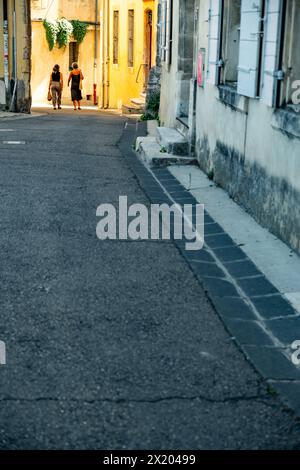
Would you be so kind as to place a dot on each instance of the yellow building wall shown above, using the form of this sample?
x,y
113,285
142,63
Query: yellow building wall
x,y
43,60
122,79
83,10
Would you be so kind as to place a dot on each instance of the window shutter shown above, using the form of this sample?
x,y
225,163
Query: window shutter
x,y
116,37
273,24
130,38
214,19
163,30
166,31
250,37
169,12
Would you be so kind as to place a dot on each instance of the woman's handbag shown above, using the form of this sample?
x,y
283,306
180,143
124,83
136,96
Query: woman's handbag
x,y
49,96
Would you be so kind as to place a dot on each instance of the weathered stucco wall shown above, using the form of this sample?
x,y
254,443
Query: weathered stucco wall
x,y
83,10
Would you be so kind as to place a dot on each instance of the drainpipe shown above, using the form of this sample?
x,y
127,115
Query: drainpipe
x,y
96,53
107,58
102,49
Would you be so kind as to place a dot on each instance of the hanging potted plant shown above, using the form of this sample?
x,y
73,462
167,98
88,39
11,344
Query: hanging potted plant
x,y
65,32
52,30
60,32
79,30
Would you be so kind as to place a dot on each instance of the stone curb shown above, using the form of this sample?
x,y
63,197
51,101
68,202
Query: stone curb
x,y
9,117
262,322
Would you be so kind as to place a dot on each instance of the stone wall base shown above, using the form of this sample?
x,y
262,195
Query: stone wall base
x,y
272,201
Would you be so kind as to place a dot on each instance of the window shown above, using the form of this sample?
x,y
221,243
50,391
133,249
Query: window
x,y
116,38
230,41
130,38
290,63
73,53
252,46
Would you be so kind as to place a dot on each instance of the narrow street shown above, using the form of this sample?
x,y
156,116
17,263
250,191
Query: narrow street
x,y
110,344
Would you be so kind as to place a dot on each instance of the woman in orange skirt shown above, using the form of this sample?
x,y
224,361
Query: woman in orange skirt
x,y
76,78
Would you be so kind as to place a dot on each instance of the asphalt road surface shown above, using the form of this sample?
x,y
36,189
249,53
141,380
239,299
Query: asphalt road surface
x,y
110,344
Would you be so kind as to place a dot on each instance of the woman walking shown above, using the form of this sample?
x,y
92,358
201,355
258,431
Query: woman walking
x,y
56,86
76,77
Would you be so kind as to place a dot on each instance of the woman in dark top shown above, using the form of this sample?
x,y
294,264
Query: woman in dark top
x,y
76,78
56,86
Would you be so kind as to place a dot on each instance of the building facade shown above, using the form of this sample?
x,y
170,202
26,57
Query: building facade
x,y
87,53
15,63
128,44
231,84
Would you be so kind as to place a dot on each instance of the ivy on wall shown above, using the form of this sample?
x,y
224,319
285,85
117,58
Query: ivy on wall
x,y
52,30
65,32
79,30
60,31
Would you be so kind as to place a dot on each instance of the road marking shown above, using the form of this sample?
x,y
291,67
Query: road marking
x,y
7,130
14,142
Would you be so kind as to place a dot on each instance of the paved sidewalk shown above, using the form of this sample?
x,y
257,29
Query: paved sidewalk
x,y
251,277
275,259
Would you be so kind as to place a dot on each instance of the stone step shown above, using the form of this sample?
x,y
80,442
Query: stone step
x,y
172,141
132,109
138,101
150,152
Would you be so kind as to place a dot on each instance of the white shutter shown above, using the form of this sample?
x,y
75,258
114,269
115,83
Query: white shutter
x,y
214,20
163,30
166,24
249,47
273,24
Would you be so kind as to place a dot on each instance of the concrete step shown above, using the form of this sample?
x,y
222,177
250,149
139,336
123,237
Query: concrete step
x,y
132,109
138,101
150,152
172,141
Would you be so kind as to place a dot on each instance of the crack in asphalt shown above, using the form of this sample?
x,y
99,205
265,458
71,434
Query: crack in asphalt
x,y
233,399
